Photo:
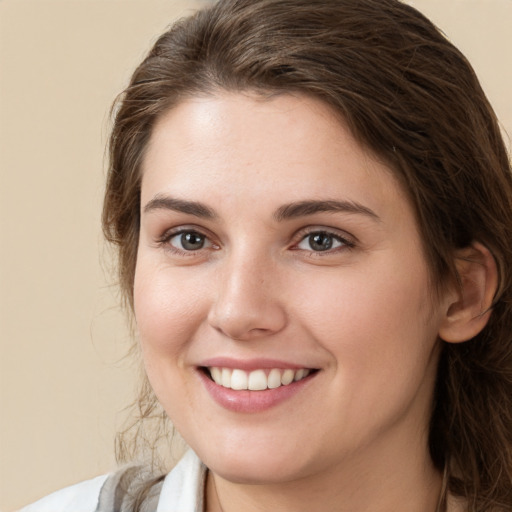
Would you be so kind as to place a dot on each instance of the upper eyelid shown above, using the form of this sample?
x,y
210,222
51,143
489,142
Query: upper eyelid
x,y
295,238
345,244
335,232
171,232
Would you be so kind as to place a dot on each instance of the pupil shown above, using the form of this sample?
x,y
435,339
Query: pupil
x,y
320,242
192,241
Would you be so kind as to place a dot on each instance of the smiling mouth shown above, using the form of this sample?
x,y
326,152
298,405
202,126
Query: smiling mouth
x,y
256,380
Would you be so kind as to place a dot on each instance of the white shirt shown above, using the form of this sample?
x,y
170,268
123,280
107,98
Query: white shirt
x,y
182,491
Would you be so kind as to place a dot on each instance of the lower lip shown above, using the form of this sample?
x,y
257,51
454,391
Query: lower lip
x,y
246,401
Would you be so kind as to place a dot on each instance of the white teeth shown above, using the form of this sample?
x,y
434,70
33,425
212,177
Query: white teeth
x,y
287,377
216,374
274,378
239,380
226,377
298,375
256,380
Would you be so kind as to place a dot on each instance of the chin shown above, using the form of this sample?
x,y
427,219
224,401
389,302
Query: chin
x,y
251,473
256,467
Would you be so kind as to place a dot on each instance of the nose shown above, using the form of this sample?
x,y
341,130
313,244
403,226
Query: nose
x,y
247,304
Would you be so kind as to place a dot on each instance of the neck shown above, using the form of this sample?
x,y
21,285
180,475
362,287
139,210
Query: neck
x,y
389,483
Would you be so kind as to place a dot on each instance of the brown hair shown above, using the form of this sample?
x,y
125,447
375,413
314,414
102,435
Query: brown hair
x,y
411,97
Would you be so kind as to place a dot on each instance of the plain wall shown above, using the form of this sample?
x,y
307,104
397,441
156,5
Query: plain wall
x,y
64,382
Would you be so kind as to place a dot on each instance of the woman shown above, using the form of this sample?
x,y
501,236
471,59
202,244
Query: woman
x,y
312,206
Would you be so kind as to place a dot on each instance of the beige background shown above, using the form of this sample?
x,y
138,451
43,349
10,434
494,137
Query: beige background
x,y
63,380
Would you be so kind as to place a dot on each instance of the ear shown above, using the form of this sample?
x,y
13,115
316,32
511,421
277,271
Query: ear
x,y
469,305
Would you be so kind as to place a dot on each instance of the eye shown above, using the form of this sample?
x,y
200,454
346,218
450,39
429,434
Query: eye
x,y
321,241
189,241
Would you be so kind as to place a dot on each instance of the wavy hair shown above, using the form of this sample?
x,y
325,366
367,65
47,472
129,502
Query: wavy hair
x,y
412,98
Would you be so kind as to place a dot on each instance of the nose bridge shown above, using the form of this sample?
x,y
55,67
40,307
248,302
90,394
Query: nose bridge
x,y
247,303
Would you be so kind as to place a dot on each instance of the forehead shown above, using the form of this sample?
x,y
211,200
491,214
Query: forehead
x,y
246,142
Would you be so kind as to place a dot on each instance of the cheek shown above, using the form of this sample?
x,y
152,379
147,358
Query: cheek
x,y
167,311
378,321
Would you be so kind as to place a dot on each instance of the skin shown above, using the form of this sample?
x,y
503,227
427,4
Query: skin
x,y
354,438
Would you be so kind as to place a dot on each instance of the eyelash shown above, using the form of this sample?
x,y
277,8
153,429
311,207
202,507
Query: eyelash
x,y
165,241
346,243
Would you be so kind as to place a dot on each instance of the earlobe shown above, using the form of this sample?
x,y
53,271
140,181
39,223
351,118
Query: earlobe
x,y
470,309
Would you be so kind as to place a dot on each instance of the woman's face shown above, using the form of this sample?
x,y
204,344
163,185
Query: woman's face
x,y
274,247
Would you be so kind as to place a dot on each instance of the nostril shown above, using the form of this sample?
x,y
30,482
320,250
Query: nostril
x,y
246,323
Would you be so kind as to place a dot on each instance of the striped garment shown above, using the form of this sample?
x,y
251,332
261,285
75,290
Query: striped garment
x,y
181,490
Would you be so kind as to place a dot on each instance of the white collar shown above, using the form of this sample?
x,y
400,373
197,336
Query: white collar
x,y
183,487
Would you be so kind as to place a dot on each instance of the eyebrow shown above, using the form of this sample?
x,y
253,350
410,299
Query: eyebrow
x,y
195,208
285,212
304,208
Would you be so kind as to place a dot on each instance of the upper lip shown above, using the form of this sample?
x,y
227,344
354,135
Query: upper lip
x,y
251,364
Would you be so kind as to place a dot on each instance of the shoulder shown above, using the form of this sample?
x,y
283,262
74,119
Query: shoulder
x,y
182,489
82,497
